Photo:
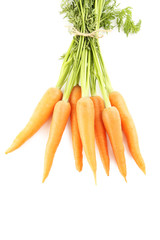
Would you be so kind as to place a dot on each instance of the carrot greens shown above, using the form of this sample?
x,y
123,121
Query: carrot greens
x,y
84,58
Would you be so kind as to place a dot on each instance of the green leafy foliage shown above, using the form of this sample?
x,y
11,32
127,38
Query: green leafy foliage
x,y
83,63
125,22
105,14
72,11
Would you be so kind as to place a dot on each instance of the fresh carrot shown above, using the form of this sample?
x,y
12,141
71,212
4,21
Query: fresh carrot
x,y
41,114
112,123
85,117
129,128
76,140
59,120
100,132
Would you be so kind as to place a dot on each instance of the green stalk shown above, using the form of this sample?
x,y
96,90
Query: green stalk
x,y
75,70
100,77
96,12
82,12
92,77
83,74
106,79
64,68
66,72
88,71
68,87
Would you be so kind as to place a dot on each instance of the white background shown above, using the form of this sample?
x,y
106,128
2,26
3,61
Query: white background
x,y
69,205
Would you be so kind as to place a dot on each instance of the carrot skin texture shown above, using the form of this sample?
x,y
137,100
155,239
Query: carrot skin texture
x,y
112,123
40,115
59,120
76,139
85,117
129,128
100,132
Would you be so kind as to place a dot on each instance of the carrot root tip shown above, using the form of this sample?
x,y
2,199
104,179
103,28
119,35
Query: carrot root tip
x,y
7,151
79,169
43,180
144,171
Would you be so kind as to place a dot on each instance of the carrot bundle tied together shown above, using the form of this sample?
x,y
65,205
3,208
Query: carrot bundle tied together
x,y
91,116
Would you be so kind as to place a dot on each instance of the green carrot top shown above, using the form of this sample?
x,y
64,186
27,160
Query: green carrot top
x,y
83,63
89,15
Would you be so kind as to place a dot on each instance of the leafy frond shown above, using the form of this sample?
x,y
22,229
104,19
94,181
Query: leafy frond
x,y
107,16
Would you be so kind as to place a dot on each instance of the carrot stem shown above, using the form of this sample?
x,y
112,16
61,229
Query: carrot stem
x,y
82,12
65,67
88,71
85,73
75,70
100,77
92,78
106,79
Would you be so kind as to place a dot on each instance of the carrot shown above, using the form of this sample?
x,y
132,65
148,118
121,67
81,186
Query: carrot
x,y
100,132
41,114
85,117
59,120
129,128
112,123
76,140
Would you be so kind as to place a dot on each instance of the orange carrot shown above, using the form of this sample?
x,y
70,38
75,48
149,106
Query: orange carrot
x,y
100,132
41,114
85,117
76,140
112,123
129,128
59,120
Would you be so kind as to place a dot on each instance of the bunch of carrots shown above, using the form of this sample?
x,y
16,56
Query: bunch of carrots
x,y
91,116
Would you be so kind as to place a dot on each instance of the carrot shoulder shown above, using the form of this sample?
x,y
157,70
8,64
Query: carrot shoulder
x,y
41,114
76,140
129,128
112,123
85,117
100,132
59,120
